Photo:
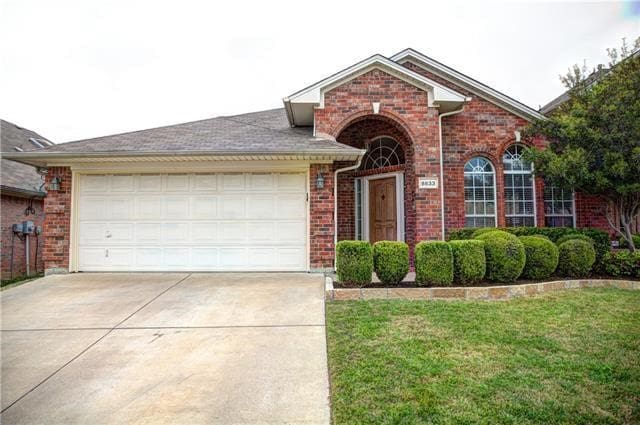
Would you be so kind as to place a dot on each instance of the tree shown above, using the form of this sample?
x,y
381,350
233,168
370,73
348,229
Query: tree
x,y
594,137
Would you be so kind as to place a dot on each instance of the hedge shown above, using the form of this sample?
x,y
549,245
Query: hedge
x,y
354,262
541,257
469,261
576,258
505,256
623,263
576,236
391,261
622,242
602,242
433,263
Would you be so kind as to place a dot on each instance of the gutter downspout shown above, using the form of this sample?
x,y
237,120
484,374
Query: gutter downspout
x,y
440,116
335,202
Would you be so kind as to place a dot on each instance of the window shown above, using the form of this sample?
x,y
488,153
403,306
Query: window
x,y
519,193
479,193
558,207
358,213
383,152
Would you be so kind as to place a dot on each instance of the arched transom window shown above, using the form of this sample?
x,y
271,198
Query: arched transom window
x,y
383,152
479,193
519,196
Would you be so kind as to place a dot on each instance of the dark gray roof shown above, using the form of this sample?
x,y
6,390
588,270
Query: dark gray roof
x,y
16,177
263,132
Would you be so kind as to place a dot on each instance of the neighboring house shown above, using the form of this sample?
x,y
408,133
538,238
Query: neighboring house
x,y
389,148
22,195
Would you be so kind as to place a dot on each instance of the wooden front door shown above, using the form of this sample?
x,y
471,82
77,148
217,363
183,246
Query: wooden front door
x,y
382,210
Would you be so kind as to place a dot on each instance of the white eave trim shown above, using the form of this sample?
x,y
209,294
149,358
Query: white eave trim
x,y
486,92
313,96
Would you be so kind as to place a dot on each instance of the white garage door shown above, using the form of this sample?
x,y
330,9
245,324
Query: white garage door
x,y
197,222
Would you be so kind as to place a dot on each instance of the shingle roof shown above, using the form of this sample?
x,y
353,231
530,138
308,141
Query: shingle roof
x,y
15,176
264,132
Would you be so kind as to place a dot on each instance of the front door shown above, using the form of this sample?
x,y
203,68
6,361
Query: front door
x,y
382,210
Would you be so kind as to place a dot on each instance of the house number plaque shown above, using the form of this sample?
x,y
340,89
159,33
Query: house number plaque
x,y
428,183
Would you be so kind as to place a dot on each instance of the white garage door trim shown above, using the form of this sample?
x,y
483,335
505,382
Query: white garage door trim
x,y
174,222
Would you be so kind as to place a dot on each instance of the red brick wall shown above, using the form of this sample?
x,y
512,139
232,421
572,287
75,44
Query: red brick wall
x,y
590,211
482,129
407,107
13,211
321,218
57,224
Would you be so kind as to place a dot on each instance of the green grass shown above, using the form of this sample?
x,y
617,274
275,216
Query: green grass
x,y
16,281
569,357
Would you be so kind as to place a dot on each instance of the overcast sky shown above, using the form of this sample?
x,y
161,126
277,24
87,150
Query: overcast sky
x,y
77,69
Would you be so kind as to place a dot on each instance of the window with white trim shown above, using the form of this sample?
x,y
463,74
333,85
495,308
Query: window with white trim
x,y
558,207
519,190
479,193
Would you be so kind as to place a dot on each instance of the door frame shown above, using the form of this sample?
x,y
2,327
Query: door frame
x,y
399,177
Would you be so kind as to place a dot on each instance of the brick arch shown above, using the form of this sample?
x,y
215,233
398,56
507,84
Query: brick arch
x,y
484,152
359,132
365,114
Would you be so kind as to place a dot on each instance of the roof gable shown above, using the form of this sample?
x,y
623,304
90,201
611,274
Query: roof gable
x,y
462,80
300,105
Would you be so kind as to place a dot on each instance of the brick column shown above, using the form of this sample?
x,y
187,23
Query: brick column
x,y
321,206
57,222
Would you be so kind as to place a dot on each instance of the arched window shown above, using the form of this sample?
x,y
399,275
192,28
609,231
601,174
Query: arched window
x,y
383,152
479,193
519,196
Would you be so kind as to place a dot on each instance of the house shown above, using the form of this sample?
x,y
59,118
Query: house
x,y
22,195
399,147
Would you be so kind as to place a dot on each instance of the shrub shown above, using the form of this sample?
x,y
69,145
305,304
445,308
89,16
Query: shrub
x,y
354,262
600,237
505,255
391,261
576,236
622,242
482,231
469,261
576,258
622,263
541,257
434,263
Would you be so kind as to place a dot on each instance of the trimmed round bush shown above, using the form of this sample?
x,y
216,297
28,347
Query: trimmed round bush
x,y
391,261
434,263
505,255
576,258
575,236
541,257
483,230
469,261
354,262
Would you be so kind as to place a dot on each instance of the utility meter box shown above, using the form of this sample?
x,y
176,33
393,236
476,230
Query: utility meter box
x,y
27,227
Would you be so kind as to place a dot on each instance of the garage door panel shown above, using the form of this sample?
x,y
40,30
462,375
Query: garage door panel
x,y
175,232
204,232
233,182
232,207
204,182
261,207
233,232
122,183
204,207
93,208
120,208
176,208
196,222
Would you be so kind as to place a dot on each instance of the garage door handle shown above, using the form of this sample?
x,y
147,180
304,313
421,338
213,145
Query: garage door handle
x,y
106,253
108,235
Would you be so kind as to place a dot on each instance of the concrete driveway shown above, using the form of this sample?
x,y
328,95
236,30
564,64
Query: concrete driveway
x,y
165,348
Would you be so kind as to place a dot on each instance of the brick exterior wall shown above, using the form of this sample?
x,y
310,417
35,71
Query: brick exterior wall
x,y
321,232
403,108
57,223
13,211
590,212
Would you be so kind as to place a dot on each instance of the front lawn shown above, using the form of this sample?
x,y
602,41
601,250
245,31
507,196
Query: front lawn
x,y
567,357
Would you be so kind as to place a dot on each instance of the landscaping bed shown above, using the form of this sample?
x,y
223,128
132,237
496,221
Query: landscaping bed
x,y
561,357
